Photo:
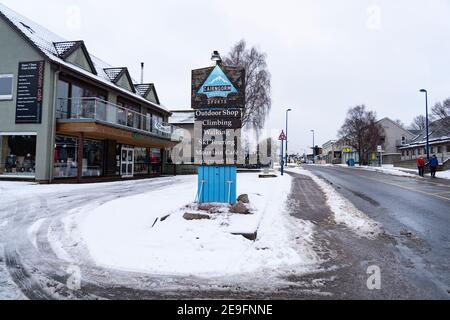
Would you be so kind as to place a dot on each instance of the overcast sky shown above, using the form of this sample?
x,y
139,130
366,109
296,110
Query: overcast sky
x,y
324,55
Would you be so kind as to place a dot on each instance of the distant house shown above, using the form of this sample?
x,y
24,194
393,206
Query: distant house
x,y
439,137
394,136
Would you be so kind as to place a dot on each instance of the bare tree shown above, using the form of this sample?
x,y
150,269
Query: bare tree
x,y
418,123
441,110
361,131
400,123
258,95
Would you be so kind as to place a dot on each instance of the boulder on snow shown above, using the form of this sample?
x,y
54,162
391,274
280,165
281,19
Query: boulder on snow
x,y
196,216
243,198
240,208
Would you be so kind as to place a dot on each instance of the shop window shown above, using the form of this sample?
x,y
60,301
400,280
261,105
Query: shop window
x,y
93,158
62,111
18,155
155,160
6,86
65,157
141,161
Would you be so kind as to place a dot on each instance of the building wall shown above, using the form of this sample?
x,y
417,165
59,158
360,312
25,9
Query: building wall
x,y
393,135
18,50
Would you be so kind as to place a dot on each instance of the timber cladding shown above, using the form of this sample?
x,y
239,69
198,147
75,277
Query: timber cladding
x,y
98,131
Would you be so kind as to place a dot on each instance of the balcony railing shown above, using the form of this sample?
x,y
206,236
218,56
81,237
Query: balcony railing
x,y
103,111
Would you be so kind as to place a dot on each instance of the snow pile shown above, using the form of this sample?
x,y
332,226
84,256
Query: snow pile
x,y
389,169
128,233
344,211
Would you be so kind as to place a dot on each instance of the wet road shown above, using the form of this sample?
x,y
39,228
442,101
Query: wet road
x,y
415,214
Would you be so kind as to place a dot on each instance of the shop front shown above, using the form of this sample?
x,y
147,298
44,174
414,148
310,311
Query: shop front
x,y
103,159
18,155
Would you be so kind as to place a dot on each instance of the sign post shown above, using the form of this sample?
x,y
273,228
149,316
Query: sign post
x,y
380,155
218,98
282,138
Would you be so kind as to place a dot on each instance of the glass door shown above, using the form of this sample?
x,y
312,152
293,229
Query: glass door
x,y
127,162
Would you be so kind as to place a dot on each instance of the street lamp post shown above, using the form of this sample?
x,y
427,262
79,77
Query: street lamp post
x,y
287,137
427,122
314,146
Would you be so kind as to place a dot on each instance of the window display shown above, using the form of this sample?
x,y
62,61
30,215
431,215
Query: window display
x,y
18,154
93,158
65,157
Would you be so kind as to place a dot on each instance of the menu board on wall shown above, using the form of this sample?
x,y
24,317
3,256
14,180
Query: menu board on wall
x,y
30,84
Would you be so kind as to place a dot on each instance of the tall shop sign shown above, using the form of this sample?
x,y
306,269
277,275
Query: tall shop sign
x,y
30,88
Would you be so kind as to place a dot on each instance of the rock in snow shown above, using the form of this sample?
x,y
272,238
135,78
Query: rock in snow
x,y
243,198
196,216
240,208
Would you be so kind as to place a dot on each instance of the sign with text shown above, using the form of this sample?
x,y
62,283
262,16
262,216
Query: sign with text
x,y
30,85
220,118
218,87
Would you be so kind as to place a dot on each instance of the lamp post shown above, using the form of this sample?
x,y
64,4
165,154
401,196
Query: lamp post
x,y
427,122
314,146
287,137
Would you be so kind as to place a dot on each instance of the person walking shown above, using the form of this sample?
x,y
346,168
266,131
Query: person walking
x,y
433,163
421,166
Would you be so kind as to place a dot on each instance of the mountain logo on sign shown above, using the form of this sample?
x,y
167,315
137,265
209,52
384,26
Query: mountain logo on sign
x,y
217,85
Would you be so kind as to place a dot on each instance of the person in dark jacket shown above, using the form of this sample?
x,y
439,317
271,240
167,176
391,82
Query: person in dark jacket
x,y
421,166
433,163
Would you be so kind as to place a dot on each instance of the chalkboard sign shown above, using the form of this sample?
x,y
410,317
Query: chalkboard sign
x,y
30,85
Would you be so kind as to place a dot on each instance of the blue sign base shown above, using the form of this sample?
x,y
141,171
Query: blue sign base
x,y
217,184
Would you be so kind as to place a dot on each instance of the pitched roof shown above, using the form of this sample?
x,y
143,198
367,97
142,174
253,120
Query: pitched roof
x,y
66,48
144,90
114,74
52,45
438,131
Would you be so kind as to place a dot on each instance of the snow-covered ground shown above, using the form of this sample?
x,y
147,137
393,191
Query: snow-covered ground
x,y
128,234
344,211
396,171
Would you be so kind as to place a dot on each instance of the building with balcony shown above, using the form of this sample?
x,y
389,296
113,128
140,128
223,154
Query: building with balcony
x,y
66,115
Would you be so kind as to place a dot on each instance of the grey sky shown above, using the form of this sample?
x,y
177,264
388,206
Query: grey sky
x,y
325,56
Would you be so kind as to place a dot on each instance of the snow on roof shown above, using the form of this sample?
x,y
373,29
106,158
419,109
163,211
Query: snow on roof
x,y
45,41
182,117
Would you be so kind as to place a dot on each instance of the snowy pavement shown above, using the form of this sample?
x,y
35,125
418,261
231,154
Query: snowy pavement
x,y
104,236
128,233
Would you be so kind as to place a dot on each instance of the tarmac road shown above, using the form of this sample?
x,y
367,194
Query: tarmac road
x,y
414,252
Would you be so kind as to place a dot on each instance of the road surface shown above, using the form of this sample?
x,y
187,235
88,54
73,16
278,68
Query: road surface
x,y
414,252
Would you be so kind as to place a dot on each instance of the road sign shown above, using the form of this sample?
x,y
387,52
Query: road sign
x,y
282,136
380,149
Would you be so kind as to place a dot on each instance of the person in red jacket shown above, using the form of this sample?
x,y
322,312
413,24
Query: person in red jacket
x,y
421,166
